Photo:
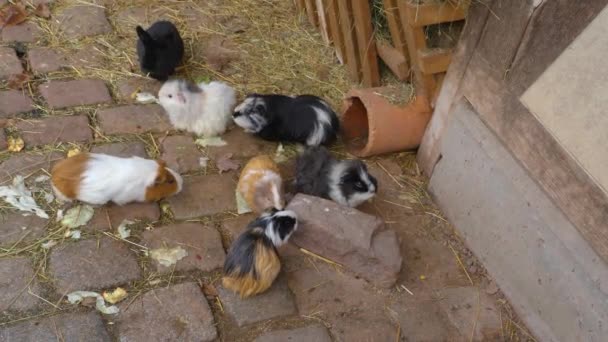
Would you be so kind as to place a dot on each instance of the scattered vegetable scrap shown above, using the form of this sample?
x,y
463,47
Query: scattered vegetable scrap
x,y
168,256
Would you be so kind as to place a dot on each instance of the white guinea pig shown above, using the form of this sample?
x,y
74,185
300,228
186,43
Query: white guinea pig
x,y
100,178
204,109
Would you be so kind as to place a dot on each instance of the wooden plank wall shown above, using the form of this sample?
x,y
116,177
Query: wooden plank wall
x,y
517,44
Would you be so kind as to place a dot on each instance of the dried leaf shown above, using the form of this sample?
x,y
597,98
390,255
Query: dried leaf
x,y
74,234
168,256
43,11
12,15
21,198
73,152
123,231
145,98
115,296
49,244
203,161
211,141
18,81
77,216
225,163
78,296
15,144
42,178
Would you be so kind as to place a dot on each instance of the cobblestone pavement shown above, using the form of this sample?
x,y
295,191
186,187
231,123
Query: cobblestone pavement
x,y
70,102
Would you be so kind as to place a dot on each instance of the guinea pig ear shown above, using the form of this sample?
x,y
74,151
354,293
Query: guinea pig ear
x,y
162,173
144,36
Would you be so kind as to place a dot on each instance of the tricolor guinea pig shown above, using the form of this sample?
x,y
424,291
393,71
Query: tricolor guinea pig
x,y
261,185
346,182
253,262
100,178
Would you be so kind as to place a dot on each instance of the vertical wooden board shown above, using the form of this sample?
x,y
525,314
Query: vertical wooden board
x,y
350,43
430,148
367,45
391,11
394,59
335,31
416,40
322,11
300,5
311,11
552,28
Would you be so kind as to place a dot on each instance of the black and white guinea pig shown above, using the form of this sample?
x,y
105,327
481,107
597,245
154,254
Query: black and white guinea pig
x,y
253,262
346,182
302,119
160,49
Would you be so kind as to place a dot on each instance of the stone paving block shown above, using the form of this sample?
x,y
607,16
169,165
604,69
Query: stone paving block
x,y
236,226
133,119
25,164
3,141
82,21
15,227
316,333
461,305
129,86
275,303
14,102
124,150
27,32
17,277
128,18
348,236
92,265
88,57
77,326
180,153
424,320
62,94
55,129
241,145
43,60
177,313
203,245
109,217
204,195
9,63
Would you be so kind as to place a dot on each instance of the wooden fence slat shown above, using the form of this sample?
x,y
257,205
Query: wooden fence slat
x,y
433,61
311,10
301,5
350,43
420,15
335,32
394,59
395,27
366,43
322,12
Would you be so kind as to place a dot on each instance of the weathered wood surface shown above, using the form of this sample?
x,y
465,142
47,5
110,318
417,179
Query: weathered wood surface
x,y
366,43
350,41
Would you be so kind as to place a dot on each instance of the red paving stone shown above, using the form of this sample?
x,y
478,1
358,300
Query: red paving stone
x,y
27,32
9,63
27,164
14,102
235,226
203,245
43,60
124,150
128,87
92,265
241,145
76,326
17,279
316,333
3,141
62,94
176,313
204,195
82,21
110,217
133,119
181,154
14,227
51,130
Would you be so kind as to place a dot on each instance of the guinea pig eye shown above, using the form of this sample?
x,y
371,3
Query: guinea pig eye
x,y
170,96
171,181
360,186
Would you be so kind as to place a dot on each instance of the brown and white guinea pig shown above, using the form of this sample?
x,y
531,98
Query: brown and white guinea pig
x,y
347,182
253,262
261,185
100,178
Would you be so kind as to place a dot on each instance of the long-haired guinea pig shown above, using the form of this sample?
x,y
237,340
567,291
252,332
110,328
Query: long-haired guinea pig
x,y
100,178
302,119
253,262
261,185
204,109
160,49
346,182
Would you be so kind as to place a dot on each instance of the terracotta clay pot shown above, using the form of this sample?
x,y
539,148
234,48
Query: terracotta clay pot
x,y
371,125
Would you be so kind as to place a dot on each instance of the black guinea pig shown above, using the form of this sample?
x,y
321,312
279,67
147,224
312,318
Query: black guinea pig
x,y
304,119
253,262
346,182
160,49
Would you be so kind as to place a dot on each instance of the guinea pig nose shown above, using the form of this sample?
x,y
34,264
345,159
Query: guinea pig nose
x,y
236,114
